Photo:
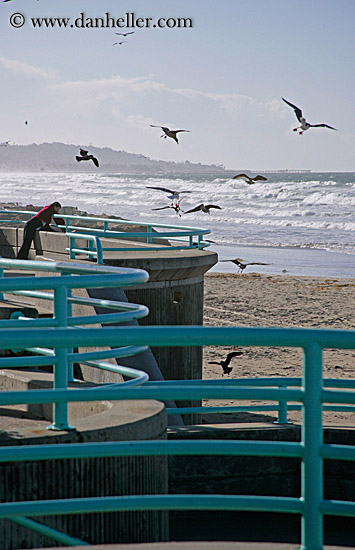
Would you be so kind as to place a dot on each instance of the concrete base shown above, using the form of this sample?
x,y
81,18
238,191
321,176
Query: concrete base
x,y
80,478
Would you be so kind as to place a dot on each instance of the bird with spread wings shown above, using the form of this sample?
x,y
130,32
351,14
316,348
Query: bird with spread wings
x,y
169,133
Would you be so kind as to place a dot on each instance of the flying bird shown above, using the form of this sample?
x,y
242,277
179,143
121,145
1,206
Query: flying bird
x,y
84,155
250,181
304,124
242,264
175,207
225,363
4,143
119,43
174,195
204,208
26,122
169,133
124,33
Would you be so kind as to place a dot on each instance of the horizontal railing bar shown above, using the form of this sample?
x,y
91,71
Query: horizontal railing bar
x,y
344,396
161,336
226,410
109,220
337,508
97,394
84,281
18,362
151,502
150,448
339,452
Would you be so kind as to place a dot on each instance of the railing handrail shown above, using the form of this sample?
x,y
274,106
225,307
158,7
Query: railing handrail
x,y
178,230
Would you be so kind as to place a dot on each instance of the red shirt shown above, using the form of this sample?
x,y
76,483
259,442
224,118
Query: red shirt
x,y
45,215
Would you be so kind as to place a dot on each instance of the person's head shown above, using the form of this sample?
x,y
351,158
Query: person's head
x,y
56,206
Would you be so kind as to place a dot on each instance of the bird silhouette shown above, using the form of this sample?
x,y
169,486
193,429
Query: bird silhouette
x,y
124,33
204,208
175,207
225,363
250,181
169,133
174,195
119,43
304,124
242,264
84,155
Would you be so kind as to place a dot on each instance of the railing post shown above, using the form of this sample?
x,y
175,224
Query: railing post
x,y
60,410
282,412
1,275
149,230
71,246
312,439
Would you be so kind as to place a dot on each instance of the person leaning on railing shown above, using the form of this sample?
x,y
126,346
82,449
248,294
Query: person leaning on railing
x,y
41,222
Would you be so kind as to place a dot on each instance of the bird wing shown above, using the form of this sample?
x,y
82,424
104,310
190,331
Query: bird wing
x,y
231,355
95,161
213,206
259,178
193,209
156,126
240,176
161,208
256,263
79,158
177,131
297,110
323,126
161,189
213,363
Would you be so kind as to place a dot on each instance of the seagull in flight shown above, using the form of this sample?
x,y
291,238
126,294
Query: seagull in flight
x,y
84,155
124,33
175,207
225,363
169,133
304,124
174,195
250,181
119,43
204,208
242,264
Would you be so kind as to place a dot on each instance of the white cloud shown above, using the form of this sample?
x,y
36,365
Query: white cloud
x,y
23,69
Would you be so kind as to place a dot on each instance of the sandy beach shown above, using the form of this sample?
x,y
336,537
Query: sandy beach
x,y
252,299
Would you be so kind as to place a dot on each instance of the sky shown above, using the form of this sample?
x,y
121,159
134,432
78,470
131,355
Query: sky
x,y
221,77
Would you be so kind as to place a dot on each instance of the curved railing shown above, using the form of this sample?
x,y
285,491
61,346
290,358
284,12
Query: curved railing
x,y
176,237
60,337
72,276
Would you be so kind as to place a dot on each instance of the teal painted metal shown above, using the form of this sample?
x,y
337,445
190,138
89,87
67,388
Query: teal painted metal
x,y
312,440
63,357
60,337
49,532
91,251
184,237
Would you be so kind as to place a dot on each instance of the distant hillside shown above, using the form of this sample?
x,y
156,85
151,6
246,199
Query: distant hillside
x,y
59,157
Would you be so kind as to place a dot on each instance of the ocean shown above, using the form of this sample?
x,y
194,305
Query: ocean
x,y
299,223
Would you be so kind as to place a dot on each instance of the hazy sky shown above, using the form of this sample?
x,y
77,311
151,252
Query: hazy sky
x,y
222,79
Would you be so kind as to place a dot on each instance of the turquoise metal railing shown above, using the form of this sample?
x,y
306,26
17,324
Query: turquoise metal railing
x,y
311,395
71,277
175,237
